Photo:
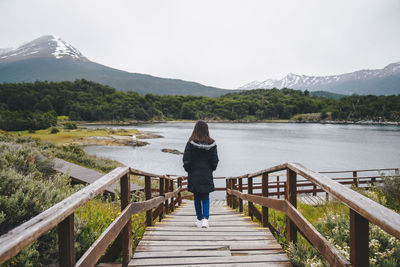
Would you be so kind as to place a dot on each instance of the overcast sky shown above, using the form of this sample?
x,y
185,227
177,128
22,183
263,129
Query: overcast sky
x,y
219,43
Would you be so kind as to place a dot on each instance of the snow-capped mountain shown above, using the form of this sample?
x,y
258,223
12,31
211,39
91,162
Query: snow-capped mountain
x,y
45,46
52,59
378,81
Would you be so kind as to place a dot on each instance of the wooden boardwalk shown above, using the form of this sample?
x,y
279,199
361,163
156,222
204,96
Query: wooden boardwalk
x,y
232,240
82,175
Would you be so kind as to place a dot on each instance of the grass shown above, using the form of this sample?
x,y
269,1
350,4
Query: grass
x,y
65,136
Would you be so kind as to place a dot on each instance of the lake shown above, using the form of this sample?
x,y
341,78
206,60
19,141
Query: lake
x,y
249,147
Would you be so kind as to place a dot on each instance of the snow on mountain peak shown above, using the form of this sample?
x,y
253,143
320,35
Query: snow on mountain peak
x,y
303,82
44,46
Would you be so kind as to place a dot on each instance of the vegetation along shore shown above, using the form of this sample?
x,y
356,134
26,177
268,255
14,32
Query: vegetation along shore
x,y
37,105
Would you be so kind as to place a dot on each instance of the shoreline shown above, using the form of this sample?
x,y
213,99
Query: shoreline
x,y
135,123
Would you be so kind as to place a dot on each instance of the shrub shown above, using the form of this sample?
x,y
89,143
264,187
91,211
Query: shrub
x,y
70,125
54,130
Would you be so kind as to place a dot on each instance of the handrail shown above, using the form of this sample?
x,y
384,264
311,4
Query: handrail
x,y
383,217
62,215
362,209
18,238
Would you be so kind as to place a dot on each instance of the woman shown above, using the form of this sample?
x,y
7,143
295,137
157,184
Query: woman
x,y
200,160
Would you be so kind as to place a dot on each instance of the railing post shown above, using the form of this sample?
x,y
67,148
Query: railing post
x,y
264,183
226,191
127,230
241,190
291,193
250,191
278,188
147,188
314,190
359,240
179,194
171,189
235,204
355,180
66,242
166,209
161,187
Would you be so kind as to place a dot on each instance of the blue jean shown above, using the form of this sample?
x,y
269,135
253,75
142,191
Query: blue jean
x,y
202,205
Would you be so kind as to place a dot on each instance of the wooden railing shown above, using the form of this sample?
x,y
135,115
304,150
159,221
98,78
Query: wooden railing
x,y
61,216
362,210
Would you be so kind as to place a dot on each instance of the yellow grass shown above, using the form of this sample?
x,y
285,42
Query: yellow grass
x,y
68,136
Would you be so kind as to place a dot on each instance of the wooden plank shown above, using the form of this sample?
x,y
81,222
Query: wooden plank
x,y
179,254
204,233
23,235
265,264
179,248
211,260
383,217
275,264
211,229
213,223
208,238
206,243
237,247
82,175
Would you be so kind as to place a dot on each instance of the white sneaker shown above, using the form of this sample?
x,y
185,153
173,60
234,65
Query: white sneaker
x,y
198,224
205,223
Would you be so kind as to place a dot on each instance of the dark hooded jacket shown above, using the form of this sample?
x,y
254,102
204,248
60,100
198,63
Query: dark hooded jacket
x,y
200,160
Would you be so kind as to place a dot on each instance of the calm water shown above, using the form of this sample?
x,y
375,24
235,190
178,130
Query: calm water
x,y
245,148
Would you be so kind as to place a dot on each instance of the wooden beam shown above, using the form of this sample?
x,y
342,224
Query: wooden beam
x,y
127,230
147,189
166,190
66,242
291,197
240,190
250,191
264,192
162,193
359,240
277,204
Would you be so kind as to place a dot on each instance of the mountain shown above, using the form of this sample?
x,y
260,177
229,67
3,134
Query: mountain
x,y
51,58
384,81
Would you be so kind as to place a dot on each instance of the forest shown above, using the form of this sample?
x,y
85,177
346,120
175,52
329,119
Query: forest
x,y
37,105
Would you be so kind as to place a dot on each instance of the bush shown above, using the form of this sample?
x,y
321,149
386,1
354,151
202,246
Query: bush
x,y
54,130
70,125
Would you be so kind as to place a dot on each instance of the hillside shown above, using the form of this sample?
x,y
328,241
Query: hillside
x,y
51,59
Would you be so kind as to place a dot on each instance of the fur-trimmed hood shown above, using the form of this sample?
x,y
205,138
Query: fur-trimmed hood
x,y
203,146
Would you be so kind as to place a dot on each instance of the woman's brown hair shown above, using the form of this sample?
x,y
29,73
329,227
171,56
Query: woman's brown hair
x,y
200,133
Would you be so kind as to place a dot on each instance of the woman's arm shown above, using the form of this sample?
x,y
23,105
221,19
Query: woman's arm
x,y
187,158
214,159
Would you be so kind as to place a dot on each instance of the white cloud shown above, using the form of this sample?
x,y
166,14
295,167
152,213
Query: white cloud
x,y
224,43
